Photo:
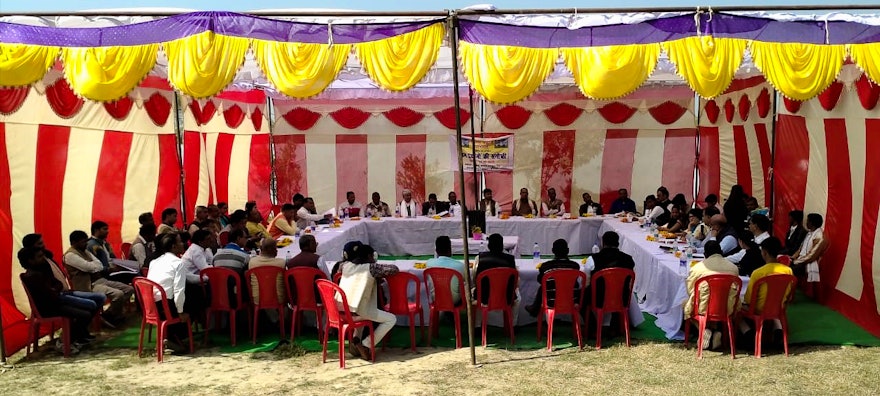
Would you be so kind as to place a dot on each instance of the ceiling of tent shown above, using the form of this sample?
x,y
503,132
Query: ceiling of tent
x,y
439,80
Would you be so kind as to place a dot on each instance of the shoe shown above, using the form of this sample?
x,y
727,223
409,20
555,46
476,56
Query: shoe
x,y
716,341
352,346
364,352
173,346
707,338
532,310
59,347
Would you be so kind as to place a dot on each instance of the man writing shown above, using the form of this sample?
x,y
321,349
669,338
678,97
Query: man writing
x,y
305,215
284,223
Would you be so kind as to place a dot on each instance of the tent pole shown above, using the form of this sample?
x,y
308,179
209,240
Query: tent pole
x,y
772,174
474,150
453,44
273,176
697,181
178,133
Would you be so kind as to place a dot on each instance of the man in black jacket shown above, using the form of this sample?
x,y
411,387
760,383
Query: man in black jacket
x,y
610,257
496,258
796,233
560,261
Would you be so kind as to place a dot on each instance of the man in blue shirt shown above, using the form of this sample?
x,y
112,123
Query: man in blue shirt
x,y
443,247
622,203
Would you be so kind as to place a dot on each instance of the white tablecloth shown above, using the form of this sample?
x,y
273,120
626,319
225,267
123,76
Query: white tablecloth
x,y
510,245
581,233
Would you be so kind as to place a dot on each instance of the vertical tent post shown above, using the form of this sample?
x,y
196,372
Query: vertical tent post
x,y
772,174
179,116
273,175
453,43
473,151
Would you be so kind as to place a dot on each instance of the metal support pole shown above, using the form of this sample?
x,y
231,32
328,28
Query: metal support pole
x,y
453,44
473,151
772,174
179,116
273,175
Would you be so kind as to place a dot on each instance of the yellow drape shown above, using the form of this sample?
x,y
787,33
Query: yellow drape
x,y
612,71
706,63
300,70
107,73
867,56
400,62
203,64
799,71
24,64
506,74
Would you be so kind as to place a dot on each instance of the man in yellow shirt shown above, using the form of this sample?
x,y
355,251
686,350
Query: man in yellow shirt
x,y
770,248
254,224
715,263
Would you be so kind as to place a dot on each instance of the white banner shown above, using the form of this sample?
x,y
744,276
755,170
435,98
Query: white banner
x,y
492,154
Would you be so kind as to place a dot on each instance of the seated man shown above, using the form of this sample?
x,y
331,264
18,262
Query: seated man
x,y
198,256
453,205
377,208
168,271
146,217
560,261
655,212
307,256
267,258
46,293
488,205
284,223
588,205
443,248
408,207
223,216
712,202
524,206
754,208
431,207
796,233
623,204
99,246
496,258
715,263
609,257
233,255
359,283
86,275
255,225
552,206
90,301
199,221
305,216
724,234
169,218
770,248
806,260
351,206
144,245
759,231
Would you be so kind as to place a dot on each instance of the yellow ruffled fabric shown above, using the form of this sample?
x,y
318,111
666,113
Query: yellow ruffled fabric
x,y
202,65
613,71
706,63
300,70
400,62
799,71
867,57
506,74
22,64
107,73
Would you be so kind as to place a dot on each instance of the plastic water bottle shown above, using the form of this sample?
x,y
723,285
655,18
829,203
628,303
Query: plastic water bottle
x,y
482,247
344,213
536,252
595,248
689,253
397,211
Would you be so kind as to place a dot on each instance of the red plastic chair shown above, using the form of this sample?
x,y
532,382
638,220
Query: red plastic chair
x,y
565,282
267,280
301,296
720,287
399,303
618,282
498,281
343,321
442,300
215,284
223,238
125,249
780,291
337,277
36,320
144,289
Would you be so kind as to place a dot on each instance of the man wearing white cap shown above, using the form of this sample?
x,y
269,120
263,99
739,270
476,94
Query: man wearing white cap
x,y
408,207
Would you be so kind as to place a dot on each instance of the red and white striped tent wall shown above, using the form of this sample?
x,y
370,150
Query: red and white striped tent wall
x,y
577,145
226,155
826,162
68,162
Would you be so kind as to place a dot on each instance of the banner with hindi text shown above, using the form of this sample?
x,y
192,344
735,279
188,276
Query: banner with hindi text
x,y
492,154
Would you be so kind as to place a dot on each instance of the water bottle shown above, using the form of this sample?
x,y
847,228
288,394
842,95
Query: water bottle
x,y
595,248
536,252
682,266
397,211
287,258
689,253
344,213
482,247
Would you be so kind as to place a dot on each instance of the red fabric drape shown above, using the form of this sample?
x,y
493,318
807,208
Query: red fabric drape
x,y
203,114
446,117
119,109
158,108
616,112
350,117
712,111
403,117
729,109
868,92
792,105
763,103
563,114
257,119
301,118
513,116
667,112
63,101
744,106
12,98
234,116
829,97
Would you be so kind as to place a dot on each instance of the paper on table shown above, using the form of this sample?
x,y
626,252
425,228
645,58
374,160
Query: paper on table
x,y
443,213
331,212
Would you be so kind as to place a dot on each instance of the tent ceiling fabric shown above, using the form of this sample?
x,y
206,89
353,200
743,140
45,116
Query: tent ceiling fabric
x,y
95,76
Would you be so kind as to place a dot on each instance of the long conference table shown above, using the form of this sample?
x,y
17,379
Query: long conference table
x,y
659,288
